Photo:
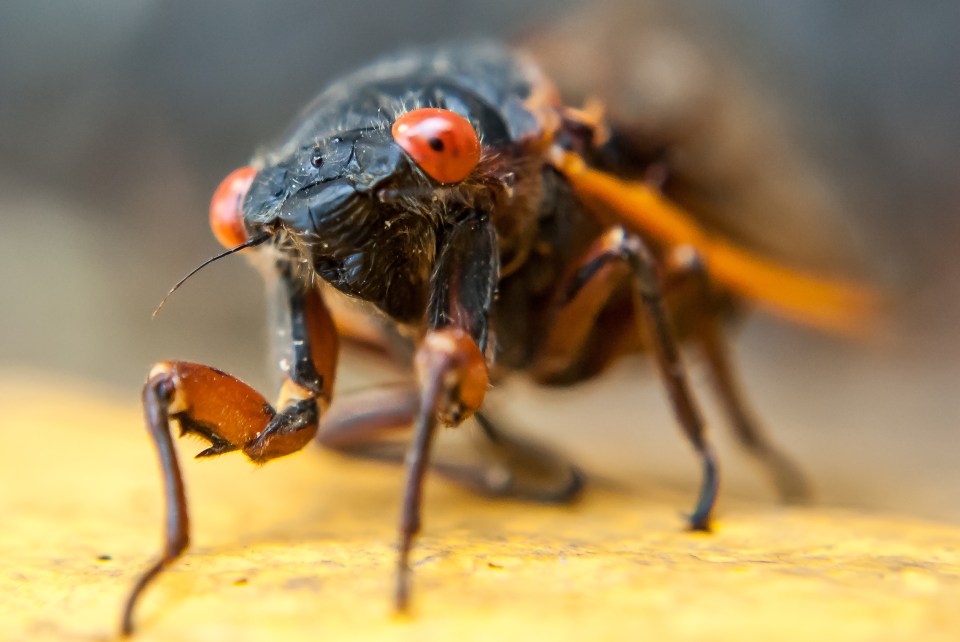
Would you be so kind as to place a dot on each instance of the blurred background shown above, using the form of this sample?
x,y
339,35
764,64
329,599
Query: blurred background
x,y
830,129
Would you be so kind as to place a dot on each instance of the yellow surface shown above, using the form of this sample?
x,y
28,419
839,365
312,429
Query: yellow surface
x,y
302,550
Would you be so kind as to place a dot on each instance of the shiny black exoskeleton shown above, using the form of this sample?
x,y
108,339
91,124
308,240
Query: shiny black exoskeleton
x,y
349,201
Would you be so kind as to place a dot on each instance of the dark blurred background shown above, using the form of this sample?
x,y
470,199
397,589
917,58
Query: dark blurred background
x,y
118,119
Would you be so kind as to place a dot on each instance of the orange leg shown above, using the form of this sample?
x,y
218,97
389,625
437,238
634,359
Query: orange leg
x,y
686,268
233,416
451,374
376,424
449,362
615,260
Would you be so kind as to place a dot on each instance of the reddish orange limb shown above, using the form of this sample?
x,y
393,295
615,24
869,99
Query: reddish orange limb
x,y
615,259
324,343
232,416
452,377
452,351
685,271
828,304
211,398
376,424
227,412
575,317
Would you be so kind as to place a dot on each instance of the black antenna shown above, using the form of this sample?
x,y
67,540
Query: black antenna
x,y
256,240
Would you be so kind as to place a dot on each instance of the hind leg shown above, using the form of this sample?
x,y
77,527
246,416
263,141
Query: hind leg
x,y
687,269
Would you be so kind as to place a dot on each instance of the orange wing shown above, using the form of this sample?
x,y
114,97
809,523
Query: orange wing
x,y
833,305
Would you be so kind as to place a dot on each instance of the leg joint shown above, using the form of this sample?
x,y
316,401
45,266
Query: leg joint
x,y
620,246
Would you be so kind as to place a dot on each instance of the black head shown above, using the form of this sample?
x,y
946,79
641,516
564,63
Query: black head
x,y
363,204
360,214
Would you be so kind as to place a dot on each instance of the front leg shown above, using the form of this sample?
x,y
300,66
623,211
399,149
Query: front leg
x,y
449,363
233,416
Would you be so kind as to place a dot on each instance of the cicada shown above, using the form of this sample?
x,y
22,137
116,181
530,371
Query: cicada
x,y
445,207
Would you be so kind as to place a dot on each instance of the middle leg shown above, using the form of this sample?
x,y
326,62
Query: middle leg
x,y
617,259
376,424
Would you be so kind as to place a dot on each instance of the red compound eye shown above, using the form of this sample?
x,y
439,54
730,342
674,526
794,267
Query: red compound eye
x,y
226,207
442,143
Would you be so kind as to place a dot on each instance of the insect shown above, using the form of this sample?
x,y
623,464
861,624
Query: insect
x,y
445,207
